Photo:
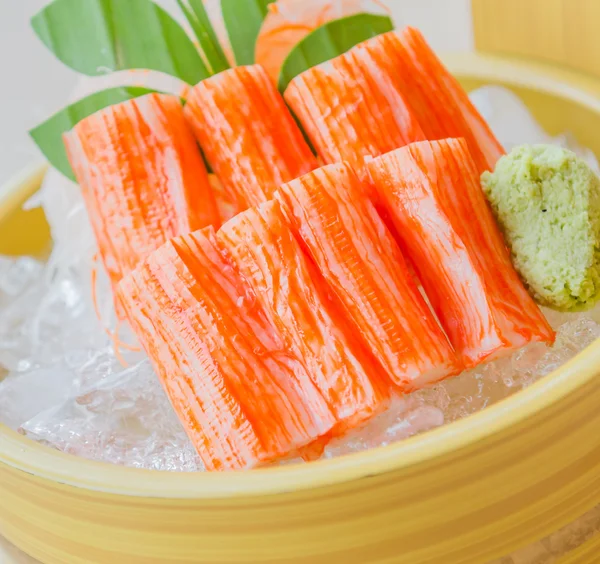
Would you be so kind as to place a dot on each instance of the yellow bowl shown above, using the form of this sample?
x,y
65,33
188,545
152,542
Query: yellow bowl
x,y
470,491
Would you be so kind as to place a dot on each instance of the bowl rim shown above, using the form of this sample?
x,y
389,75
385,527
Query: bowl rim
x,y
22,454
20,187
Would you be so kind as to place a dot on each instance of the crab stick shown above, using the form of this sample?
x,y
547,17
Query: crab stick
x,y
263,248
362,263
432,192
438,101
289,21
142,177
241,399
350,109
247,133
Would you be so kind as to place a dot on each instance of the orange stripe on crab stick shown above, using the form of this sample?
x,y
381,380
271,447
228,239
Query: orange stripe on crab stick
x,y
272,262
359,258
142,178
440,103
227,206
247,133
241,400
433,194
351,109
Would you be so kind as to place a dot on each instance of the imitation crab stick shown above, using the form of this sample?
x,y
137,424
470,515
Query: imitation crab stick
x,y
433,194
289,21
247,133
350,109
360,260
263,248
142,177
441,105
241,401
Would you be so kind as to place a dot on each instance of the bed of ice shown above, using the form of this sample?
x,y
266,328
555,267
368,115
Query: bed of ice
x,y
61,383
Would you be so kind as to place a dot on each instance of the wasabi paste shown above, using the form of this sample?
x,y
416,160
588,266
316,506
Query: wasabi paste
x,y
547,202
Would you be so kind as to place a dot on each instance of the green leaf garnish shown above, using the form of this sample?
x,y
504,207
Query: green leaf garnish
x,y
203,30
331,40
96,37
243,19
48,135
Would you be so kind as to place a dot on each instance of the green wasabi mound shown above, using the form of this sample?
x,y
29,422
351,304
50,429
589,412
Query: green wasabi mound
x,y
547,202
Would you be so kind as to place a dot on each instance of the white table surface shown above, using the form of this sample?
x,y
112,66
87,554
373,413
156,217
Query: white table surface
x,y
33,84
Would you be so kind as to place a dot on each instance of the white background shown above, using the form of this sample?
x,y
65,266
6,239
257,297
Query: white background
x,y
33,84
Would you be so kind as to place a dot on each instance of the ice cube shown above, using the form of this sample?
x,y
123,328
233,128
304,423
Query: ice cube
x,y
16,275
405,417
124,419
27,392
23,395
53,317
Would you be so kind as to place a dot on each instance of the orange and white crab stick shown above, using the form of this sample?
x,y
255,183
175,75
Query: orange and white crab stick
x,y
364,266
142,177
440,104
241,401
289,21
264,249
432,192
350,109
247,133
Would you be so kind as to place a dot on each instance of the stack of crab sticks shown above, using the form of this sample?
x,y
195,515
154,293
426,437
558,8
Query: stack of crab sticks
x,y
283,303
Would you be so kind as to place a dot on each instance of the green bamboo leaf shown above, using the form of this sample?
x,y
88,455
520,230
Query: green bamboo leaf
x,y
331,40
48,135
199,21
243,19
96,37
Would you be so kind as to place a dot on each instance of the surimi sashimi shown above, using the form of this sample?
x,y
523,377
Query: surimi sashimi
x,y
142,177
241,401
432,192
351,109
267,255
440,104
247,133
361,261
